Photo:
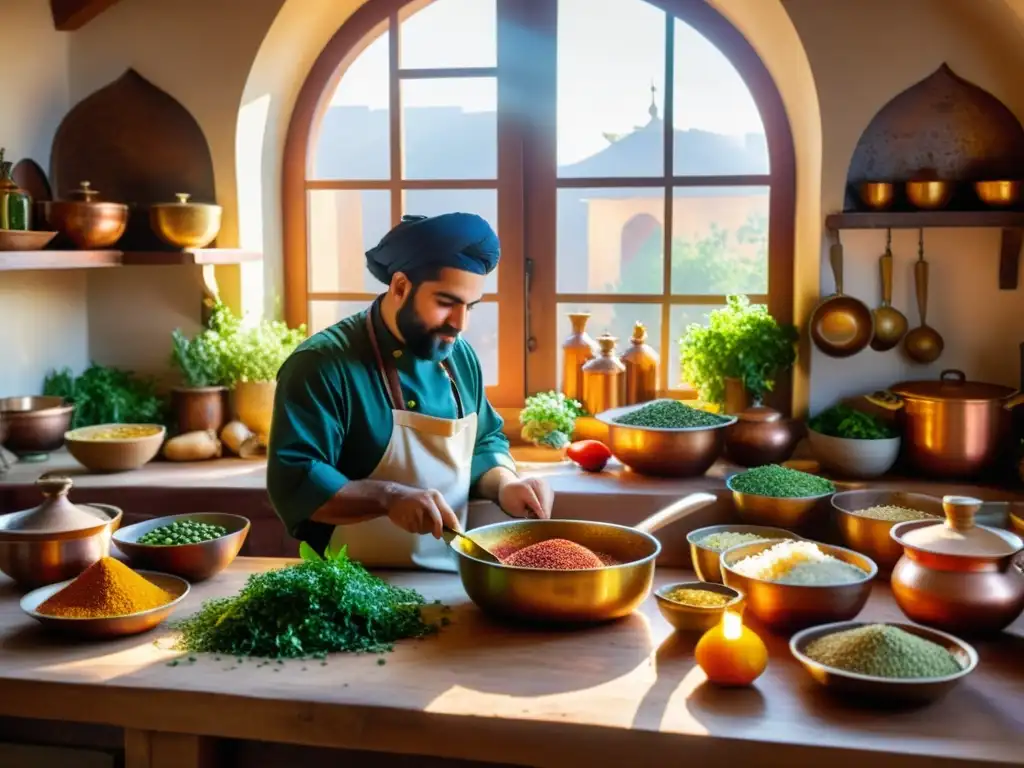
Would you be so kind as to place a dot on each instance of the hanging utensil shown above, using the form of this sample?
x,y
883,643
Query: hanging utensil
x,y
890,323
841,325
923,344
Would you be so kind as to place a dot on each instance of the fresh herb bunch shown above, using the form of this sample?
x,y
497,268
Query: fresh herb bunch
x,y
844,421
202,359
549,418
319,606
104,395
740,341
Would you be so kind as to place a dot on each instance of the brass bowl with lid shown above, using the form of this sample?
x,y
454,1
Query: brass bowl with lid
x,y
958,576
184,224
85,221
56,540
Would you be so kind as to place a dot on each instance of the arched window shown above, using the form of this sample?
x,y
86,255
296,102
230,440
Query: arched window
x,y
594,142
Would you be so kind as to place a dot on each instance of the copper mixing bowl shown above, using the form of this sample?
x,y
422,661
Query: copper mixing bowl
x,y
184,224
89,224
35,424
780,511
998,194
194,562
706,560
929,195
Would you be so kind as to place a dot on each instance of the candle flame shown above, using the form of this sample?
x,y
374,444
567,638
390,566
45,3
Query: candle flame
x,y
732,625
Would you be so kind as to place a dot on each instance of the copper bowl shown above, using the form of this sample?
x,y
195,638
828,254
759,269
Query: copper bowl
x,y
884,689
35,424
194,562
184,224
706,560
24,240
929,195
791,607
694,618
998,194
876,195
870,536
780,511
85,222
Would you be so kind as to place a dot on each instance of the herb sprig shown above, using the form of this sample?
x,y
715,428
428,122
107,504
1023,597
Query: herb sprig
x,y
104,395
848,422
549,419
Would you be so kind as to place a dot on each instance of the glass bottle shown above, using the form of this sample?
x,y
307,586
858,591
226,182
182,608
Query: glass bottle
x,y
15,203
641,363
577,349
604,378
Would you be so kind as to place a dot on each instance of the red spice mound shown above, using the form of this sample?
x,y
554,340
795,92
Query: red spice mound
x,y
555,554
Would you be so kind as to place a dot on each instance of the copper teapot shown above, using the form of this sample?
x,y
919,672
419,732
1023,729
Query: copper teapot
x,y
958,576
761,436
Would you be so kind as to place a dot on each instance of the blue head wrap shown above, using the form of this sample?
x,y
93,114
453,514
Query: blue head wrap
x,y
460,240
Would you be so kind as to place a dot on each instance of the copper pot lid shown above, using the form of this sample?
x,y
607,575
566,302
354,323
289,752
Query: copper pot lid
x,y
56,514
759,414
958,535
953,385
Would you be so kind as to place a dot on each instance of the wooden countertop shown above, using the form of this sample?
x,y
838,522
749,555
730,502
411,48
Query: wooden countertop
x,y
628,693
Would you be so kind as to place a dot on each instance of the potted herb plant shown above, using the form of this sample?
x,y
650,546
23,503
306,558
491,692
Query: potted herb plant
x,y
739,352
548,420
200,404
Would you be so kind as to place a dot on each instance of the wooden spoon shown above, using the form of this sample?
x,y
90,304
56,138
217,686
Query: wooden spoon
x,y
923,344
890,323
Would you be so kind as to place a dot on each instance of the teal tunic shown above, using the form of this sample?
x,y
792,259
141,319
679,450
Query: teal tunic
x,y
332,419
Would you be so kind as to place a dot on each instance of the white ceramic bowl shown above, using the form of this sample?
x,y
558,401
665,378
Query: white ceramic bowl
x,y
852,458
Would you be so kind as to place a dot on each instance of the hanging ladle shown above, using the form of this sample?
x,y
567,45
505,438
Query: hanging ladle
x,y
841,325
890,323
922,344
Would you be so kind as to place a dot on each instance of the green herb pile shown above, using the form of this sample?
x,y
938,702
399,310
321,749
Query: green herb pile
x,y
880,650
183,532
670,414
310,609
549,419
780,483
105,395
844,421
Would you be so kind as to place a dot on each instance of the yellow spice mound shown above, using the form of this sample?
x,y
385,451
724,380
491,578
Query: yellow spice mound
x,y
106,588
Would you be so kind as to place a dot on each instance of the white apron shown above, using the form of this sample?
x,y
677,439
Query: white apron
x,y
424,452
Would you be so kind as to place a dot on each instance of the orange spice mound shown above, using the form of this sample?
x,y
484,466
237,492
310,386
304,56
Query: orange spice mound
x,y
555,554
106,588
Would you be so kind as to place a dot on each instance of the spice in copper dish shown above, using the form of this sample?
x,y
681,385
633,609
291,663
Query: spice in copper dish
x,y
554,554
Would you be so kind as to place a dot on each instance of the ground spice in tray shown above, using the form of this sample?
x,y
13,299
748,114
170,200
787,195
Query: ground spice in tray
x,y
881,650
698,598
104,589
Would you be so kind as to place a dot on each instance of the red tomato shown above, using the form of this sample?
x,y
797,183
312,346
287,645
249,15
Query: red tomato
x,y
590,455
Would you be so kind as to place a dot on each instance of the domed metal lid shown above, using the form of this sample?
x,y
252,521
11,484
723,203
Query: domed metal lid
x,y
959,536
56,514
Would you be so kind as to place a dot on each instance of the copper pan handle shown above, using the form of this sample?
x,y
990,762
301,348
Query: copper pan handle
x,y
885,266
921,280
675,511
886,400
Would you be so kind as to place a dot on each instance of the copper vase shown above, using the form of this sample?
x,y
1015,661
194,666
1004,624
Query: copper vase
x,y
604,379
578,349
200,409
641,363
761,436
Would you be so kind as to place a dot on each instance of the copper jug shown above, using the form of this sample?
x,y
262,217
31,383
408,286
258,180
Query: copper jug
x,y
604,379
761,436
578,349
641,363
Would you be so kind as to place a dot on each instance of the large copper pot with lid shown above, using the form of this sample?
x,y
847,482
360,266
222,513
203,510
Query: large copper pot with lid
x,y
84,220
952,427
958,576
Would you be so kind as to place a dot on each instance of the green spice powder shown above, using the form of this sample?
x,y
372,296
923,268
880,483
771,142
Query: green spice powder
x,y
780,482
880,650
670,414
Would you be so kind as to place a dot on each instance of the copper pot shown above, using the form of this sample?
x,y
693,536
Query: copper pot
x,y
957,576
84,221
952,428
184,224
198,409
35,425
761,436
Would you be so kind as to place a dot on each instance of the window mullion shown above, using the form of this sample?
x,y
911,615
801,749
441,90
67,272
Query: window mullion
x,y
669,158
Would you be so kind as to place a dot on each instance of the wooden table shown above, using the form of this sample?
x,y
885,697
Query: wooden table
x,y
624,694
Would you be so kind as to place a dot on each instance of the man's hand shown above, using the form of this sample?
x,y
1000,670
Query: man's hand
x,y
531,497
417,511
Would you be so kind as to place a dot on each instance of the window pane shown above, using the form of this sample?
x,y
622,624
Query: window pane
x,y
719,240
326,313
617,319
450,33
450,128
718,129
609,121
434,202
681,315
343,225
353,136
610,240
482,334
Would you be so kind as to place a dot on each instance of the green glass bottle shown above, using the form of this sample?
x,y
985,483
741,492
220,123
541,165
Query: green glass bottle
x,y
15,203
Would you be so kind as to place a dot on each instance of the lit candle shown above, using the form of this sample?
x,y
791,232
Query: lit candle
x,y
730,653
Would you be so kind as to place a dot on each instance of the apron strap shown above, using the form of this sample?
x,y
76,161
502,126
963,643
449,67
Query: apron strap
x,y
388,372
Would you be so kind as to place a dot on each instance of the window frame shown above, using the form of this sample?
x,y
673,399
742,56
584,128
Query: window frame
x,y
527,178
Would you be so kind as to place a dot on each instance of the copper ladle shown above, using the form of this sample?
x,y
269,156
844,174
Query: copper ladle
x,y
923,344
841,325
890,323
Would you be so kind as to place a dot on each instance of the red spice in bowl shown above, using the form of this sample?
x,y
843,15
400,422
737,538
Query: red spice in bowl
x,y
554,554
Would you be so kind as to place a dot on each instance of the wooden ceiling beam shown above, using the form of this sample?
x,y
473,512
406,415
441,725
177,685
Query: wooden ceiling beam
x,y
69,15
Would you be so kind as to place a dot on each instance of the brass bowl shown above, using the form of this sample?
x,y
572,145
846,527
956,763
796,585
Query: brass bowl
x,y
114,455
36,559
782,512
705,560
184,224
686,452
87,223
929,195
113,626
998,194
194,562
24,240
870,536
692,618
791,607
35,424
876,195
884,689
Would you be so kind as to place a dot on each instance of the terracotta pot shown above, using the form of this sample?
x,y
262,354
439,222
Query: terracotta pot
x,y
254,405
198,409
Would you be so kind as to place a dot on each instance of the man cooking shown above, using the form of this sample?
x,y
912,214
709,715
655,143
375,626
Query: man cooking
x,y
381,429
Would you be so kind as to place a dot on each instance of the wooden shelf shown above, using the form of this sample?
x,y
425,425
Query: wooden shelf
x,y
28,260
1011,222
